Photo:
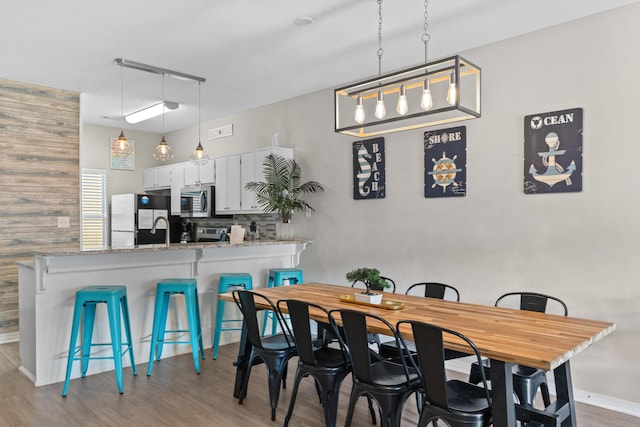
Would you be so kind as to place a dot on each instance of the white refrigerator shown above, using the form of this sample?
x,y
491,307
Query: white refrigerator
x,y
132,217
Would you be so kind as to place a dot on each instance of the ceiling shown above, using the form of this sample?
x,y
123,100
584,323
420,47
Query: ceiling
x,y
251,53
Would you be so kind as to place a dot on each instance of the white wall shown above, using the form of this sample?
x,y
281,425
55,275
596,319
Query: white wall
x,y
95,154
580,247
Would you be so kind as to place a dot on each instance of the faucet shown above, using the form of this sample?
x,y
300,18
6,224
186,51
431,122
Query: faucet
x,y
153,229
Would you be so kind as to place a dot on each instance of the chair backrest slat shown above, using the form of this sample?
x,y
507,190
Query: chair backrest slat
x,y
435,290
533,301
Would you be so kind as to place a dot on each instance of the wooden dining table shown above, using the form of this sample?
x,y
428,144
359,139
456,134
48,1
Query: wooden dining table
x,y
506,336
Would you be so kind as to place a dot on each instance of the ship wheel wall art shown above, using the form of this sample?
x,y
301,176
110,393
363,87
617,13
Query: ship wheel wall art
x,y
445,162
553,152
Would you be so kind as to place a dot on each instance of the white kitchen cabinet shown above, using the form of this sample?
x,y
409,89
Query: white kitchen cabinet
x,y
252,170
177,182
157,178
227,178
199,174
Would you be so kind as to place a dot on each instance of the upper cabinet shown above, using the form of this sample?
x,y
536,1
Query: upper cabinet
x,y
234,172
199,174
253,170
229,174
177,182
157,178
228,185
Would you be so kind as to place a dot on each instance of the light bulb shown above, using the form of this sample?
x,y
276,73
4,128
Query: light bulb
x,y
403,106
452,93
426,103
359,116
381,111
163,151
200,156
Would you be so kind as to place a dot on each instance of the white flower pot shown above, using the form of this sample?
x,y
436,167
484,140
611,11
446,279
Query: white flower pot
x,y
284,231
368,298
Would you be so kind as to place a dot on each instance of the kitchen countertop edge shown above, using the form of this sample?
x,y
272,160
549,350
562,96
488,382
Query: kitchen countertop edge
x,y
174,246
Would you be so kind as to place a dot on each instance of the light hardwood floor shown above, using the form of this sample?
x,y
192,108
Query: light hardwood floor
x,y
174,395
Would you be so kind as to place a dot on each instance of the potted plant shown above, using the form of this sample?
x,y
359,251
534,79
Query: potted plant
x,y
281,191
371,278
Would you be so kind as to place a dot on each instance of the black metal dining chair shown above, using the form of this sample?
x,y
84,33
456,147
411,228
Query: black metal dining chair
x,y
428,290
274,350
526,380
388,382
456,402
327,365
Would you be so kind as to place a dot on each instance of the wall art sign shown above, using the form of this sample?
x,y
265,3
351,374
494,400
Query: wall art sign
x,y
128,163
553,152
445,162
368,169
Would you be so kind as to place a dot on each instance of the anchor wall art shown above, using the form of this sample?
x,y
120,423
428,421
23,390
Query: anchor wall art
x,y
445,162
368,169
553,152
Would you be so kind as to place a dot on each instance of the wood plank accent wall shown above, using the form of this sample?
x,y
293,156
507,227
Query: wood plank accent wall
x,y
39,181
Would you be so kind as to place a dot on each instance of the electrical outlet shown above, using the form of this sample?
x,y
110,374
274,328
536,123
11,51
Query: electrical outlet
x,y
221,132
63,222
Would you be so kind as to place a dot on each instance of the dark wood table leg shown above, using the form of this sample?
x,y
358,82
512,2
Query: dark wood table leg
x,y
504,411
564,392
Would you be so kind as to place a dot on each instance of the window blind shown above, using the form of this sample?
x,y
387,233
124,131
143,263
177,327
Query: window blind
x,y
93,199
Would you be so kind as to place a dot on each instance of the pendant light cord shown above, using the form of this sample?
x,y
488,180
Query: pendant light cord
x,y
425,36
121,97
199,110
163,105
380,50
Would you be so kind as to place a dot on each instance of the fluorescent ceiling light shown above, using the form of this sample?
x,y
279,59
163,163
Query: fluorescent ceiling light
x,y
150,112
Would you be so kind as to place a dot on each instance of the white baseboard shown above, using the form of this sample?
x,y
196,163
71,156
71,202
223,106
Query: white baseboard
x,y
582,396
9,337
27,374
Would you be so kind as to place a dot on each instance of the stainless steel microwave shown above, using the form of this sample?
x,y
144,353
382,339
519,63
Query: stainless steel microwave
x,y
195,202
199,202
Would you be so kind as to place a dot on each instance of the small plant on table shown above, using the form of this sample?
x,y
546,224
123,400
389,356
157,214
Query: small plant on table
x,y
369,276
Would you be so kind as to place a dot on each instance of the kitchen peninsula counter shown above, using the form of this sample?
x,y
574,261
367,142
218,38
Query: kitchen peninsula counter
x,y
47,293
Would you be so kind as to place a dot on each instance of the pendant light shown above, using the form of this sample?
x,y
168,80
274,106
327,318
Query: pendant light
x,y
121,147
199,156
433,93
163,151
426,101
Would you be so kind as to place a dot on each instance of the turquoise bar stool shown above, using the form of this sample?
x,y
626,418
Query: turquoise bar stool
x,y
117,308
166,288
227,283
277,277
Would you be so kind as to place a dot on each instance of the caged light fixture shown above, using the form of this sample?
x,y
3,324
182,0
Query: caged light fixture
x,y
163,151
199,156
121,147
433,93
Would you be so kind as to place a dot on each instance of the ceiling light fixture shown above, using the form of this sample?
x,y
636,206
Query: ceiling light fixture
x,y
150,112
121,147
163,151
434,93
199,156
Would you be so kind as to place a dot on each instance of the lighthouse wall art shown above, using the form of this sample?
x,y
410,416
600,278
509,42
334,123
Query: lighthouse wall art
x,y
553,152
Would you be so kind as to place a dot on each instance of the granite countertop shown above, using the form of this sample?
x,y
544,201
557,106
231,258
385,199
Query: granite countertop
x,y
172,247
